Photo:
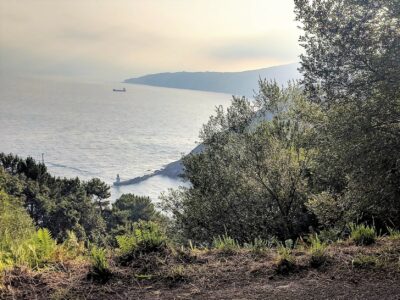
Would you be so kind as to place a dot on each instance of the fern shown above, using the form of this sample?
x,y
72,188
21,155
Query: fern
x,y
100,268
317,251
126,244
44,245
145,238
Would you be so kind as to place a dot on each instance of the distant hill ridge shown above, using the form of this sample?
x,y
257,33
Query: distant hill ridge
x,y
235,83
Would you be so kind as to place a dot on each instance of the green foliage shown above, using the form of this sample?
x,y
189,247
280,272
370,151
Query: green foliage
x,y
363,234
225,244
43,246
20,243
145,238
35,252
317,251
351,72
329,209
16,231
15,223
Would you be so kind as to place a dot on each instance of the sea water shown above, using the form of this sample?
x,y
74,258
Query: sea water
x,y
87,130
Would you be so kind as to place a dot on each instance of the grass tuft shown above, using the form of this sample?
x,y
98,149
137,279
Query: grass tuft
x,y
176,275
225,244
260,246
365,262
363,235
394,234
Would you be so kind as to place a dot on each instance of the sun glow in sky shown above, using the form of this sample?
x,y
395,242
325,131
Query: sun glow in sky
x,y
117,39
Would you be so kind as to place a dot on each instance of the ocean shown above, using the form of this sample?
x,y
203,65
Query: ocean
x,y
87,130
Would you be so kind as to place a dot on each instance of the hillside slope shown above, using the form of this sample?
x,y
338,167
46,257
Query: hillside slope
x,y
211,274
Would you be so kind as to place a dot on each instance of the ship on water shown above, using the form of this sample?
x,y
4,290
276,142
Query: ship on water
x,y
119,90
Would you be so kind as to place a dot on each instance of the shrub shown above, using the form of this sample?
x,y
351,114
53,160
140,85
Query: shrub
x,y
362,234
317,251
99,268
225,244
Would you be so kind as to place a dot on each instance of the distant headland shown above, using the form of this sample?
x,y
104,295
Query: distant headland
x,y
234,83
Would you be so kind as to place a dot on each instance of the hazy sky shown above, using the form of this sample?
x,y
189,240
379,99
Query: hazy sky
x,y
116,39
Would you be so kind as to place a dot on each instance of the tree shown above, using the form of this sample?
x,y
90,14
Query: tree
x,y
100,190
129,209
251,179
58,204
352,71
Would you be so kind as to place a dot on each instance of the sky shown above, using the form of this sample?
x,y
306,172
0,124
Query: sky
x,y
119,39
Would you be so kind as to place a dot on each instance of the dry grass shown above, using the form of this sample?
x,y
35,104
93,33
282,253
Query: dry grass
x,y
205,274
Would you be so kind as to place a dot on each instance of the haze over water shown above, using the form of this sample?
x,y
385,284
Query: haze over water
x,y
87,130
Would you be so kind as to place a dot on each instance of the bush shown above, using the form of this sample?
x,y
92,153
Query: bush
x,y
145,238
225,244
318,252
362,235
